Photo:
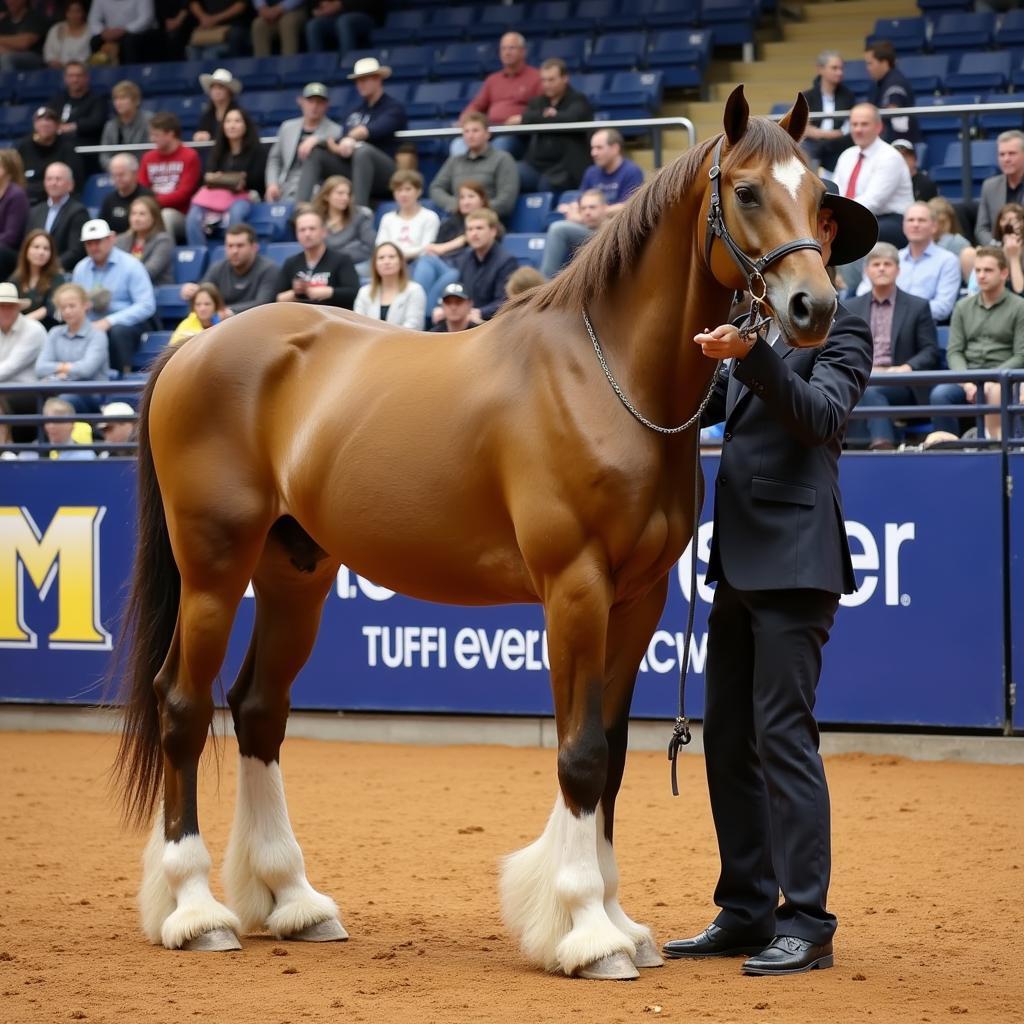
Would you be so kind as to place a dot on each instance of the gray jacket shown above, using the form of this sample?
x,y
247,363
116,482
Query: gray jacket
x,y
993,199
494,169
117,134
157,255
282,152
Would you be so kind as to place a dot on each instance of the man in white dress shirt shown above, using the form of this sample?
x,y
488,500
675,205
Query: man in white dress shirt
x,y
875,174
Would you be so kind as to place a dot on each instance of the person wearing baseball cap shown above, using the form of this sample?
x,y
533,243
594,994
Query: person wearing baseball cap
x,y
456,306
781,559
44,146
363,149
297,141
119,431
924,187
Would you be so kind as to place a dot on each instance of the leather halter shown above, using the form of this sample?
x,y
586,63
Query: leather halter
x,y
752,270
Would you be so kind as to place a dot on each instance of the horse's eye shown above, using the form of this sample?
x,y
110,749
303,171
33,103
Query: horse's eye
x,y
746,195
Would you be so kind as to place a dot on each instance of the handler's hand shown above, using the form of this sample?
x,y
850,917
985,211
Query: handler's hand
x,y
724,342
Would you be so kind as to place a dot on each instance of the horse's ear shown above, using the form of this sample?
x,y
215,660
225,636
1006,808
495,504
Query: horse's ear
x,y
736,115
795,122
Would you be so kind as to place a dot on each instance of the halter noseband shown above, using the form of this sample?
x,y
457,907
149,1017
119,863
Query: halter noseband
x,y
751,269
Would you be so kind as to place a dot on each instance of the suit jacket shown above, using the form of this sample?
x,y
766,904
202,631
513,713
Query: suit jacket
x,y
282,152
993,199
66,230
914,338
560,157
845,98
778,510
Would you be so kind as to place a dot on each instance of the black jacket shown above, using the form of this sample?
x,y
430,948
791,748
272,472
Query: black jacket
x,y
914,338
893,89
334,268
561,158
778,511
36,157
66,230
89,112
845,100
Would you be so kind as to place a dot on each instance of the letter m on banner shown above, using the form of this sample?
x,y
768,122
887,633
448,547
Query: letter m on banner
x,y
68,553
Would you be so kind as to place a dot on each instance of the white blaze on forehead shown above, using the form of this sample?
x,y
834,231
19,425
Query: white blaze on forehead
x,y
789,175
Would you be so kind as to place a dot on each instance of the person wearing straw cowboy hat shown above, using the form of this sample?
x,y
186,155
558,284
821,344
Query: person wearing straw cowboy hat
x,y
364,150
781,559
223,88
21,341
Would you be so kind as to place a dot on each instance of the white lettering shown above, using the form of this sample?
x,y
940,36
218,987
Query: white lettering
x,y
513,650
467,648
895,535
704,592
372,634
866,560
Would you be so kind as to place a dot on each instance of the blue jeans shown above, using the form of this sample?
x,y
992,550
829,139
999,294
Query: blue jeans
x,y
433,275
532,180
947,394
346,32
238,213
880,428
564,237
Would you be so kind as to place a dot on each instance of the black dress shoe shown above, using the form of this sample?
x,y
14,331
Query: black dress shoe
x,y
789,955
715,941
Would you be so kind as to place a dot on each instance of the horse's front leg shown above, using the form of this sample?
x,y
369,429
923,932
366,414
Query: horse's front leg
x,y
553,891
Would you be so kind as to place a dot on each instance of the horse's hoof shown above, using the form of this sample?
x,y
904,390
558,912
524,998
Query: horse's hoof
x,y
220,940
615,967
330,930
647,955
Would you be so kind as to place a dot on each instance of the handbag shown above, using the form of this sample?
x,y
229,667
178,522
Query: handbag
x,y
209,36
218,200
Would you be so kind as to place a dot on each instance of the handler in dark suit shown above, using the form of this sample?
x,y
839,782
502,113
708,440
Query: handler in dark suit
x,y
61,214
904,338
781,559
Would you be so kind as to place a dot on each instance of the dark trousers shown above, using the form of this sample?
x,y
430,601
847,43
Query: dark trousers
x,y
369,169
890,229
880,428
123,342
769,798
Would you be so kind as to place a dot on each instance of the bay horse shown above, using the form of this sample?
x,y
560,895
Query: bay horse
x,y
492,466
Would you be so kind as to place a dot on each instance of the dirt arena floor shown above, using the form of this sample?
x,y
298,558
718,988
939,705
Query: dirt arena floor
x,y
928,883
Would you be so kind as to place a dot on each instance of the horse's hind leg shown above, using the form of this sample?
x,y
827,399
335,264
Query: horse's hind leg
x,y
629,632
177,906
264,873
553,892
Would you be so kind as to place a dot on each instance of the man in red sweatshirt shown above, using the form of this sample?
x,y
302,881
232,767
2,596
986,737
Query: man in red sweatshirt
x,y
171,170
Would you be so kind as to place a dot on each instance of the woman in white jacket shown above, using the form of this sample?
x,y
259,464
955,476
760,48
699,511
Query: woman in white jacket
x,y
390,295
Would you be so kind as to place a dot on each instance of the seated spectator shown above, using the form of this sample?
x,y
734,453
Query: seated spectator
x,y
503,97
21,35
412,227
555,161
481,162
69,40
986,333
363,149
317,274
124,31
343,26
38,276
44,147
524,279
280,23
205,308
222,29
824,140
148,240
435,268
349,228
484,266
176,24
233,181
119,431
890,88
130,123
1005,187
244,278
21,341
904,337
64,432
390,295
947,234
75,349
297,142
124,175
13,209
455,309
62,215
1007,234
82,111
921,182
171,170
121,296
565,236
610,172
222,88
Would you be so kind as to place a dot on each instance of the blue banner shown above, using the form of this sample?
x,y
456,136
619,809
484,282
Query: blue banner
x,y
1016,569
921,642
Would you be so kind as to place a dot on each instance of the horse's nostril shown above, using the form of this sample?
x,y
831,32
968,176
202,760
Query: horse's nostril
x,y
800,309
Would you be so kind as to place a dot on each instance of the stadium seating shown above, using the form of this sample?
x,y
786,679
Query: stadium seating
x,y
983,165
153,343
731,21
571,49
1000,120
400,26
448,23
531,212
168,79
409,62
907,35
981,71
856,77
278,252
528,249
171,308
682,55
957,32
464,60
926,72
632,94
189,263
622,50
1010,31
95,189
271,221
496,19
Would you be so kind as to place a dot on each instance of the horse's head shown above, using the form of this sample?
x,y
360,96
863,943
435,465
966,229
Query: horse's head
x,y
766,228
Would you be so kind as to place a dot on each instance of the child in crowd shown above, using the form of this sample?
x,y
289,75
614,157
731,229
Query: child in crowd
x,y
205,308
411,227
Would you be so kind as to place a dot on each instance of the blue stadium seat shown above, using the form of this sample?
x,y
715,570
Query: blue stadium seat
x,y
1011,29
731,20
187,108
552,16
571,49
33,86
278,252
926,72
400,26
271,108
189,263
632,94
856,77
167,79
591,85
943,5
153,343
215,253
429,99
494,20
171,308
907,35
96,187
340,99
528,249
15,120
681,55
590,15
311,67
656,14
387,206
409,62
619,52
981,71
570,195
1000,120
957,32
449,23
257,72
983,163
461,60
271,221
531,212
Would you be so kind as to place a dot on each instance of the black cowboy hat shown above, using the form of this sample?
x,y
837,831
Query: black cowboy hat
x,y
857,228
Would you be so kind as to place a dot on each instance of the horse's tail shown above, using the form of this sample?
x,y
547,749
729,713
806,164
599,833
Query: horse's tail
x,y
147,629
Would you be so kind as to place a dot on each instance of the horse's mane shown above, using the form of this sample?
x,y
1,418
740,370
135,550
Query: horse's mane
x,y
615,247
